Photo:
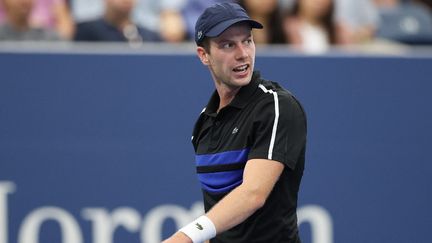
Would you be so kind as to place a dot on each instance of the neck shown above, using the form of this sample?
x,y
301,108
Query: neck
x,y
226,95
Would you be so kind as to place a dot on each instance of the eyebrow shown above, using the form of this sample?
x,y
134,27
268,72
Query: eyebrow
x,y
229,40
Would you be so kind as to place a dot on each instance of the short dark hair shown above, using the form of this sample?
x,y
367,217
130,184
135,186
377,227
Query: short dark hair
x,y
205,43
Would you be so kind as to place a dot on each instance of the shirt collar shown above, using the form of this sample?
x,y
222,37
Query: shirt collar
x,y
240,100
245,93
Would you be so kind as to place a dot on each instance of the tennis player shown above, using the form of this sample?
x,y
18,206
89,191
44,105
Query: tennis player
x,y
250,141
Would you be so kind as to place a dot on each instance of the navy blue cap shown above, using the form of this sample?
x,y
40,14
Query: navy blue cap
x,y
217,18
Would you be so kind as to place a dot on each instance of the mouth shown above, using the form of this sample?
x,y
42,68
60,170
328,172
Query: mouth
x,y
241,69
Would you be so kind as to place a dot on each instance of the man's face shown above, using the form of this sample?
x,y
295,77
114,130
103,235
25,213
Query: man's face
x,y
121,6
232,56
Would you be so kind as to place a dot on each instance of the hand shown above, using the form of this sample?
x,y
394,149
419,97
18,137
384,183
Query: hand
x,y
178,237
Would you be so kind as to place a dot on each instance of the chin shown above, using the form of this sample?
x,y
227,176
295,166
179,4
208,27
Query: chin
x,y
242,82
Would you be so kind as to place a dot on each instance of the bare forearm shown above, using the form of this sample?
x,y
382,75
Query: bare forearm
x,y
233,209
258,180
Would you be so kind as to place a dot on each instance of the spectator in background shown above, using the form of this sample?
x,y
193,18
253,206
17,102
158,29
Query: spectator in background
x,y
163,16
267,13
17,24
115,25
356,21
309,25
54,14
51,14
159,16
172,27
408,22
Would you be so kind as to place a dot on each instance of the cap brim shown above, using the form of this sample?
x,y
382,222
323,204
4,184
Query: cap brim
x,y
221,27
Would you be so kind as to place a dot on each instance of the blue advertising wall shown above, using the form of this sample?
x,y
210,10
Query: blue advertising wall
x,y
96,148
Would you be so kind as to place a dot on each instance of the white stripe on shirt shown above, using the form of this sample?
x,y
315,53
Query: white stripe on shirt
x,y
273,136
203,110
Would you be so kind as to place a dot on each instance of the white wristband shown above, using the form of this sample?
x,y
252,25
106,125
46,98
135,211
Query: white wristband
x,y
200,230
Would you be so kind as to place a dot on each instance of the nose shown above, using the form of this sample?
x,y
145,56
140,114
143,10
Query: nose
x,y
242,52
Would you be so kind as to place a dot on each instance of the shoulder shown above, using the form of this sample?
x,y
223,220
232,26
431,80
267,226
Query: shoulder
x,y
274,95
271,89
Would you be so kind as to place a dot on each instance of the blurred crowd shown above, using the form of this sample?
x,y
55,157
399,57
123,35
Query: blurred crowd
x,y
309,25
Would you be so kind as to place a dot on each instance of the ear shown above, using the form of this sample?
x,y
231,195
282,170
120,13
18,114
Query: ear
x,y
203,56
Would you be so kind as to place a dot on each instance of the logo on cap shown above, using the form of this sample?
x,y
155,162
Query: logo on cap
x,y
199,34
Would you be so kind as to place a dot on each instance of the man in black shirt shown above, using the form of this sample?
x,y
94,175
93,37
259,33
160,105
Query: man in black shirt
x,y
250,141
115,25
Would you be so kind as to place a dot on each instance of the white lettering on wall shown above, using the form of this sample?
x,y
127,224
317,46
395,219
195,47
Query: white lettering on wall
x,y
150,227
320,222
105,224
30,228
5,188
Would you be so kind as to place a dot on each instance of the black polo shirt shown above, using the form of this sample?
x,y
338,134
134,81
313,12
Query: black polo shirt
x,y
264,121
101,30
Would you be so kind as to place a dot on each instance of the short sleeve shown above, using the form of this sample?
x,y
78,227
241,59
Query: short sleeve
x,y
279,130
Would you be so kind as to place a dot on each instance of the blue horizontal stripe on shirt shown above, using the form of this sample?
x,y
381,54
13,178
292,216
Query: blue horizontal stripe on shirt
x,y
227,157
222,181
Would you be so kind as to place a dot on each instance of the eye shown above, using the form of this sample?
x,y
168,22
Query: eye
x,y
248,41
227,45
